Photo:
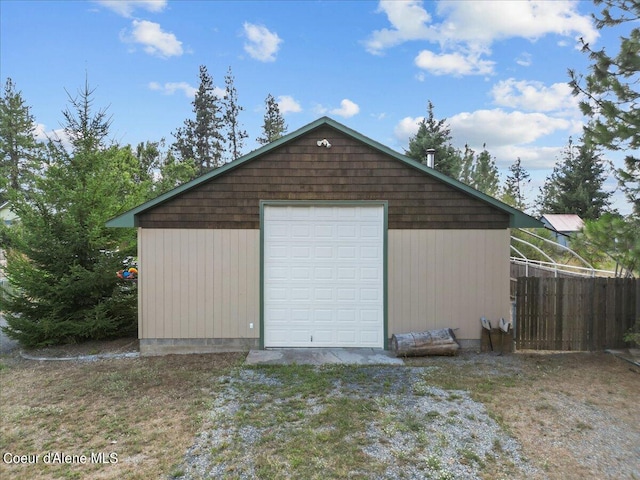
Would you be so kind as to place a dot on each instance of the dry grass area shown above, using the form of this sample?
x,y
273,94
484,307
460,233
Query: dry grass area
x,y
568,411
580,415
576,415
146,411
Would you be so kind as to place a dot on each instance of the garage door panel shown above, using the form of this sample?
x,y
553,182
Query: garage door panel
x,y
324,252
323,294
346,232
300,273
351,213
275,294
323,337
346,294
300,315
370,252
347,337
323,315
372,274
323,274
346,315
347,273
300,335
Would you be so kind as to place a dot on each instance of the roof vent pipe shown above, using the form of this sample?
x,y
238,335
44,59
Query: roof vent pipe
x,y
431,158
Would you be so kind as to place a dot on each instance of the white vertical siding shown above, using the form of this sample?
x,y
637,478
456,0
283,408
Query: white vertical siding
x,y
447,278
199,283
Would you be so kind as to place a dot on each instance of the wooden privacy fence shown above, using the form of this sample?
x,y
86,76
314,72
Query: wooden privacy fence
x,y
575,313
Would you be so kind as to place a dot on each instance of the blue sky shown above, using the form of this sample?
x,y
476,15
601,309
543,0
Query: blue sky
x,y
496,70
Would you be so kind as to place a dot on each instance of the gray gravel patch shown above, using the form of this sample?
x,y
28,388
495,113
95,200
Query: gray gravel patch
x,y
416,430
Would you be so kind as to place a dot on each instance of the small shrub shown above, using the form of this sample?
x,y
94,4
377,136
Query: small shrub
x,y
633,335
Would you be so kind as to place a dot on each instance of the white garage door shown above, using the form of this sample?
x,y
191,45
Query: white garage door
x,y
323,276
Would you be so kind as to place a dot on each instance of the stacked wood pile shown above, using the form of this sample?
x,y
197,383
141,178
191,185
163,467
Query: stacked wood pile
x,y
431,342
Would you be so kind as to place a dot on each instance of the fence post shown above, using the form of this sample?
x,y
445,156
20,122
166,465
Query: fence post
x,y
587,302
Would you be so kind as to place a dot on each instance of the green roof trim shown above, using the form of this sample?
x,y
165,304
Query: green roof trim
x,y
517,219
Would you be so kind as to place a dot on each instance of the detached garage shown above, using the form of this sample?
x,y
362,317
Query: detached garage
x,y
322,238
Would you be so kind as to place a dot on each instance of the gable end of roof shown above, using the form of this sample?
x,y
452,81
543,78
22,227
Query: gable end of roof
x,y
517,219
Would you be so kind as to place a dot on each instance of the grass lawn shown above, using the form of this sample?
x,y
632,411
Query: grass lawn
x,y
305,422
146,411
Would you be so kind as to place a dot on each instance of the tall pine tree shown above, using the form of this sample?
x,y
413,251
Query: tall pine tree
x,y
273,126
466,165
515,183
20,152
62,258
435,134
201,139
484,175
235,135
609,95
479,171
575,186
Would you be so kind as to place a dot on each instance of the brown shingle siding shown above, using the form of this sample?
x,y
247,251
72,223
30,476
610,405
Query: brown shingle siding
x,y
300,170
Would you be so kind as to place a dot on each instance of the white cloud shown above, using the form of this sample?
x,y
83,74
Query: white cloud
x,y
524,59
408,20
533,158
189,91
456,64
287,104
319,109
535,96
125,8
490,20
40,132
497,127
468,29
172,87
407,128
347,109
262,44
507,135
155,41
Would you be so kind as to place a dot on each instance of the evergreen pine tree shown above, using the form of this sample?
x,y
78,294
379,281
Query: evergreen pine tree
x,y
515,182
435,134
20,152
484,175
201,139
235,134
62,259
609,95
466,165
575,186
274,125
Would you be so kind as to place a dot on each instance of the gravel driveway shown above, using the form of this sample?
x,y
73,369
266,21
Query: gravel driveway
x,y
527,416
413,430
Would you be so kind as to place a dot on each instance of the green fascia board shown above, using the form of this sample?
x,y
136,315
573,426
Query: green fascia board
x,y
517,219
